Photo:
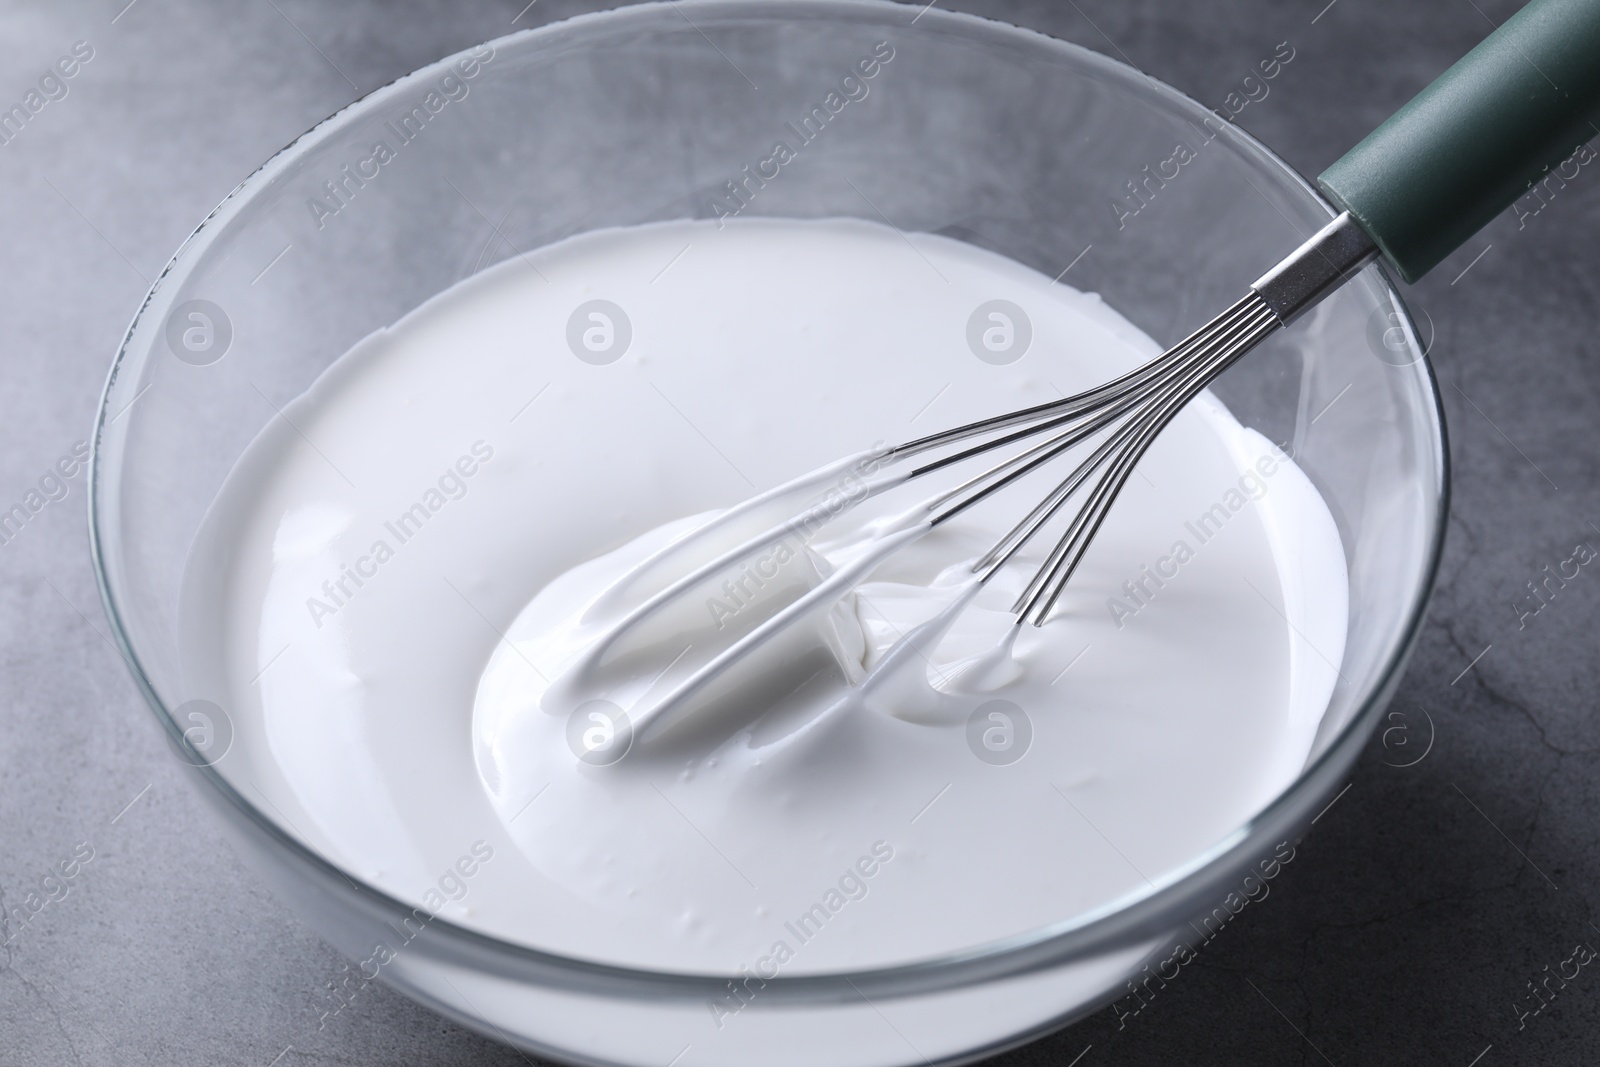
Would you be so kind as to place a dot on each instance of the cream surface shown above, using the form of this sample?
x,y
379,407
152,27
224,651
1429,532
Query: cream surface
x,y
390,589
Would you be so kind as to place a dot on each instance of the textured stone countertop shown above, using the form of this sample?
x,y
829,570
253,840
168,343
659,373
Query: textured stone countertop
x,y
1410,922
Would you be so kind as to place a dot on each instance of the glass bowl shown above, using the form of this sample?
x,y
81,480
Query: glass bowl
x,y
1045,152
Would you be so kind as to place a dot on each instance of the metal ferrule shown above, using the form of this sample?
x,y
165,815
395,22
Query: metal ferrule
x,y
1316,268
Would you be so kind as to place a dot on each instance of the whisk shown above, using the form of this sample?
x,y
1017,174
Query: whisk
x,y
1411,192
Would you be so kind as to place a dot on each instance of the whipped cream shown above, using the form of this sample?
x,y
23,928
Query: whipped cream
x,y
398,594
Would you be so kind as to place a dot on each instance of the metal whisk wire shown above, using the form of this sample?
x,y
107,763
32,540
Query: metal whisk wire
x,y
1214,354
1146,399
1130,411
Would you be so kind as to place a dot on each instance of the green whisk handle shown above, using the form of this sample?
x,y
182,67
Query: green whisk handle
x,y
1476,139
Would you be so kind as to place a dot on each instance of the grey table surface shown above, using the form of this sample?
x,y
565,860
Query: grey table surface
x,y
1419,908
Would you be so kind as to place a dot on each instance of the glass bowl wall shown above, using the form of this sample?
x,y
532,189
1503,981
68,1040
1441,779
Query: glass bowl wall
x,y
1047,153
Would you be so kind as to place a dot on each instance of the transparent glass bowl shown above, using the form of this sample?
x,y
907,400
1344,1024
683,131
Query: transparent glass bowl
x,y
977,130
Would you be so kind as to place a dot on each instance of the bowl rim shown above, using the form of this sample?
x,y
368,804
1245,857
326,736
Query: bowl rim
x,y
1136,916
